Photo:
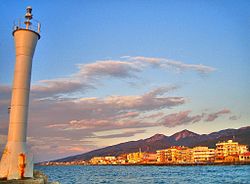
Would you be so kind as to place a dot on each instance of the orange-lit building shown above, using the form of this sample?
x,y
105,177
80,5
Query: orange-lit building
x,y
150,158
244,157
135,157
175,154
202,154
229,151
103,160
243,148
161,156
97,160
122,159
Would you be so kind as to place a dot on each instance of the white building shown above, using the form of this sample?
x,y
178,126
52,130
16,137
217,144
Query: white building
x,y
203,154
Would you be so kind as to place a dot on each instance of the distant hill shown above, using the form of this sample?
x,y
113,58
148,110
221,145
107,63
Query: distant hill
x,y
160,141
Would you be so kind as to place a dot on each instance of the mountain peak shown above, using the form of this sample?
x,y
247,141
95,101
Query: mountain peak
x,y
183,134
155,137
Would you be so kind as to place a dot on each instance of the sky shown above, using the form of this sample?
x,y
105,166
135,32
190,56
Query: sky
x,y
107,72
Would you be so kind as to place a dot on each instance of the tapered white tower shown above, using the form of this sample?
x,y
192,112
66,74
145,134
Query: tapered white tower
x,y
17,160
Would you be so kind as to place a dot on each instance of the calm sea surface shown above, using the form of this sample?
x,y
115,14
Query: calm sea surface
x,y
148,174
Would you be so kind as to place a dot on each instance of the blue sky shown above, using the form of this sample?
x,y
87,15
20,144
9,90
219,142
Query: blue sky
x,y
108,65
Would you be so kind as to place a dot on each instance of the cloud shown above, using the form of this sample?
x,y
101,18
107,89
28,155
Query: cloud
x,y
86,78
60,120
184,117
55,147
50,88
178,65
154,115
213,116
111,68
101,125
149,101
234,117
112,112
89,76
180,118
125,115
124,134
78,120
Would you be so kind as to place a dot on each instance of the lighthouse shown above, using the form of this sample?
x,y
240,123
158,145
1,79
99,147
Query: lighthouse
x,y
17,160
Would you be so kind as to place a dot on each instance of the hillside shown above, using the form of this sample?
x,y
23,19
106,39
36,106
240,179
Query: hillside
x,y
160,141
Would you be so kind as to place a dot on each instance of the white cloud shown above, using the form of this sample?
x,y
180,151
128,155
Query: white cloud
x,y
111,68
177,65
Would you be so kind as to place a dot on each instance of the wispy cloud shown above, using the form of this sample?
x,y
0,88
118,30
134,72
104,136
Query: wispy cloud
x,y
177,65
123,134
52,88
153,115
56,147
88,76
115,112
111,68
180,118
234,117
213,116
184,117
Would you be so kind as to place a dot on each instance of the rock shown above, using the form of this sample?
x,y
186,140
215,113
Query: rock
x,y
24,181
41,175
39,178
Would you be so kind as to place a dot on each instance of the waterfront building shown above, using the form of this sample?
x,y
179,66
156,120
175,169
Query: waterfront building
x,y
97,160
150,158
161,156
135,157
110,158
122,159
175,154
243,148
244,157
184,155
202,154
229,151
103,160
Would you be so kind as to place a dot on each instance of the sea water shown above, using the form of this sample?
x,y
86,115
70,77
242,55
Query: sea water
x,y
238,174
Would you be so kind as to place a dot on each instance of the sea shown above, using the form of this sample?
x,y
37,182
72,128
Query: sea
x,y
235,174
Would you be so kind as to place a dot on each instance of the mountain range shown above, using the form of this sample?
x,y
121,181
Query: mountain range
x,y
161,141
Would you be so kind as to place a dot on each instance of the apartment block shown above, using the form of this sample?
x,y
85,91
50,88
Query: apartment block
x,y
202,154
229,151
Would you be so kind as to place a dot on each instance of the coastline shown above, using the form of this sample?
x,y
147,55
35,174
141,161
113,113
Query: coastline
x,y
156,164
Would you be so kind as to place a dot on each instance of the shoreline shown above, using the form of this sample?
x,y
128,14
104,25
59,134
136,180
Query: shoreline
x,y
157,164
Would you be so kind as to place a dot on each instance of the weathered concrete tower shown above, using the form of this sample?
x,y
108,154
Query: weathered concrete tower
x,y
17,161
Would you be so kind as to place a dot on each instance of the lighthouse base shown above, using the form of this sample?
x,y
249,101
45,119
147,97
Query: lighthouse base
x,y
16,162
39,178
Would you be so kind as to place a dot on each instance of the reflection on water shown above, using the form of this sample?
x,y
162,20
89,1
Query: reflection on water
x,y
148,174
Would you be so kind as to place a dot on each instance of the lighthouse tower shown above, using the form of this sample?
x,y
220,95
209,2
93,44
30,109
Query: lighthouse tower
x,y
17,160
